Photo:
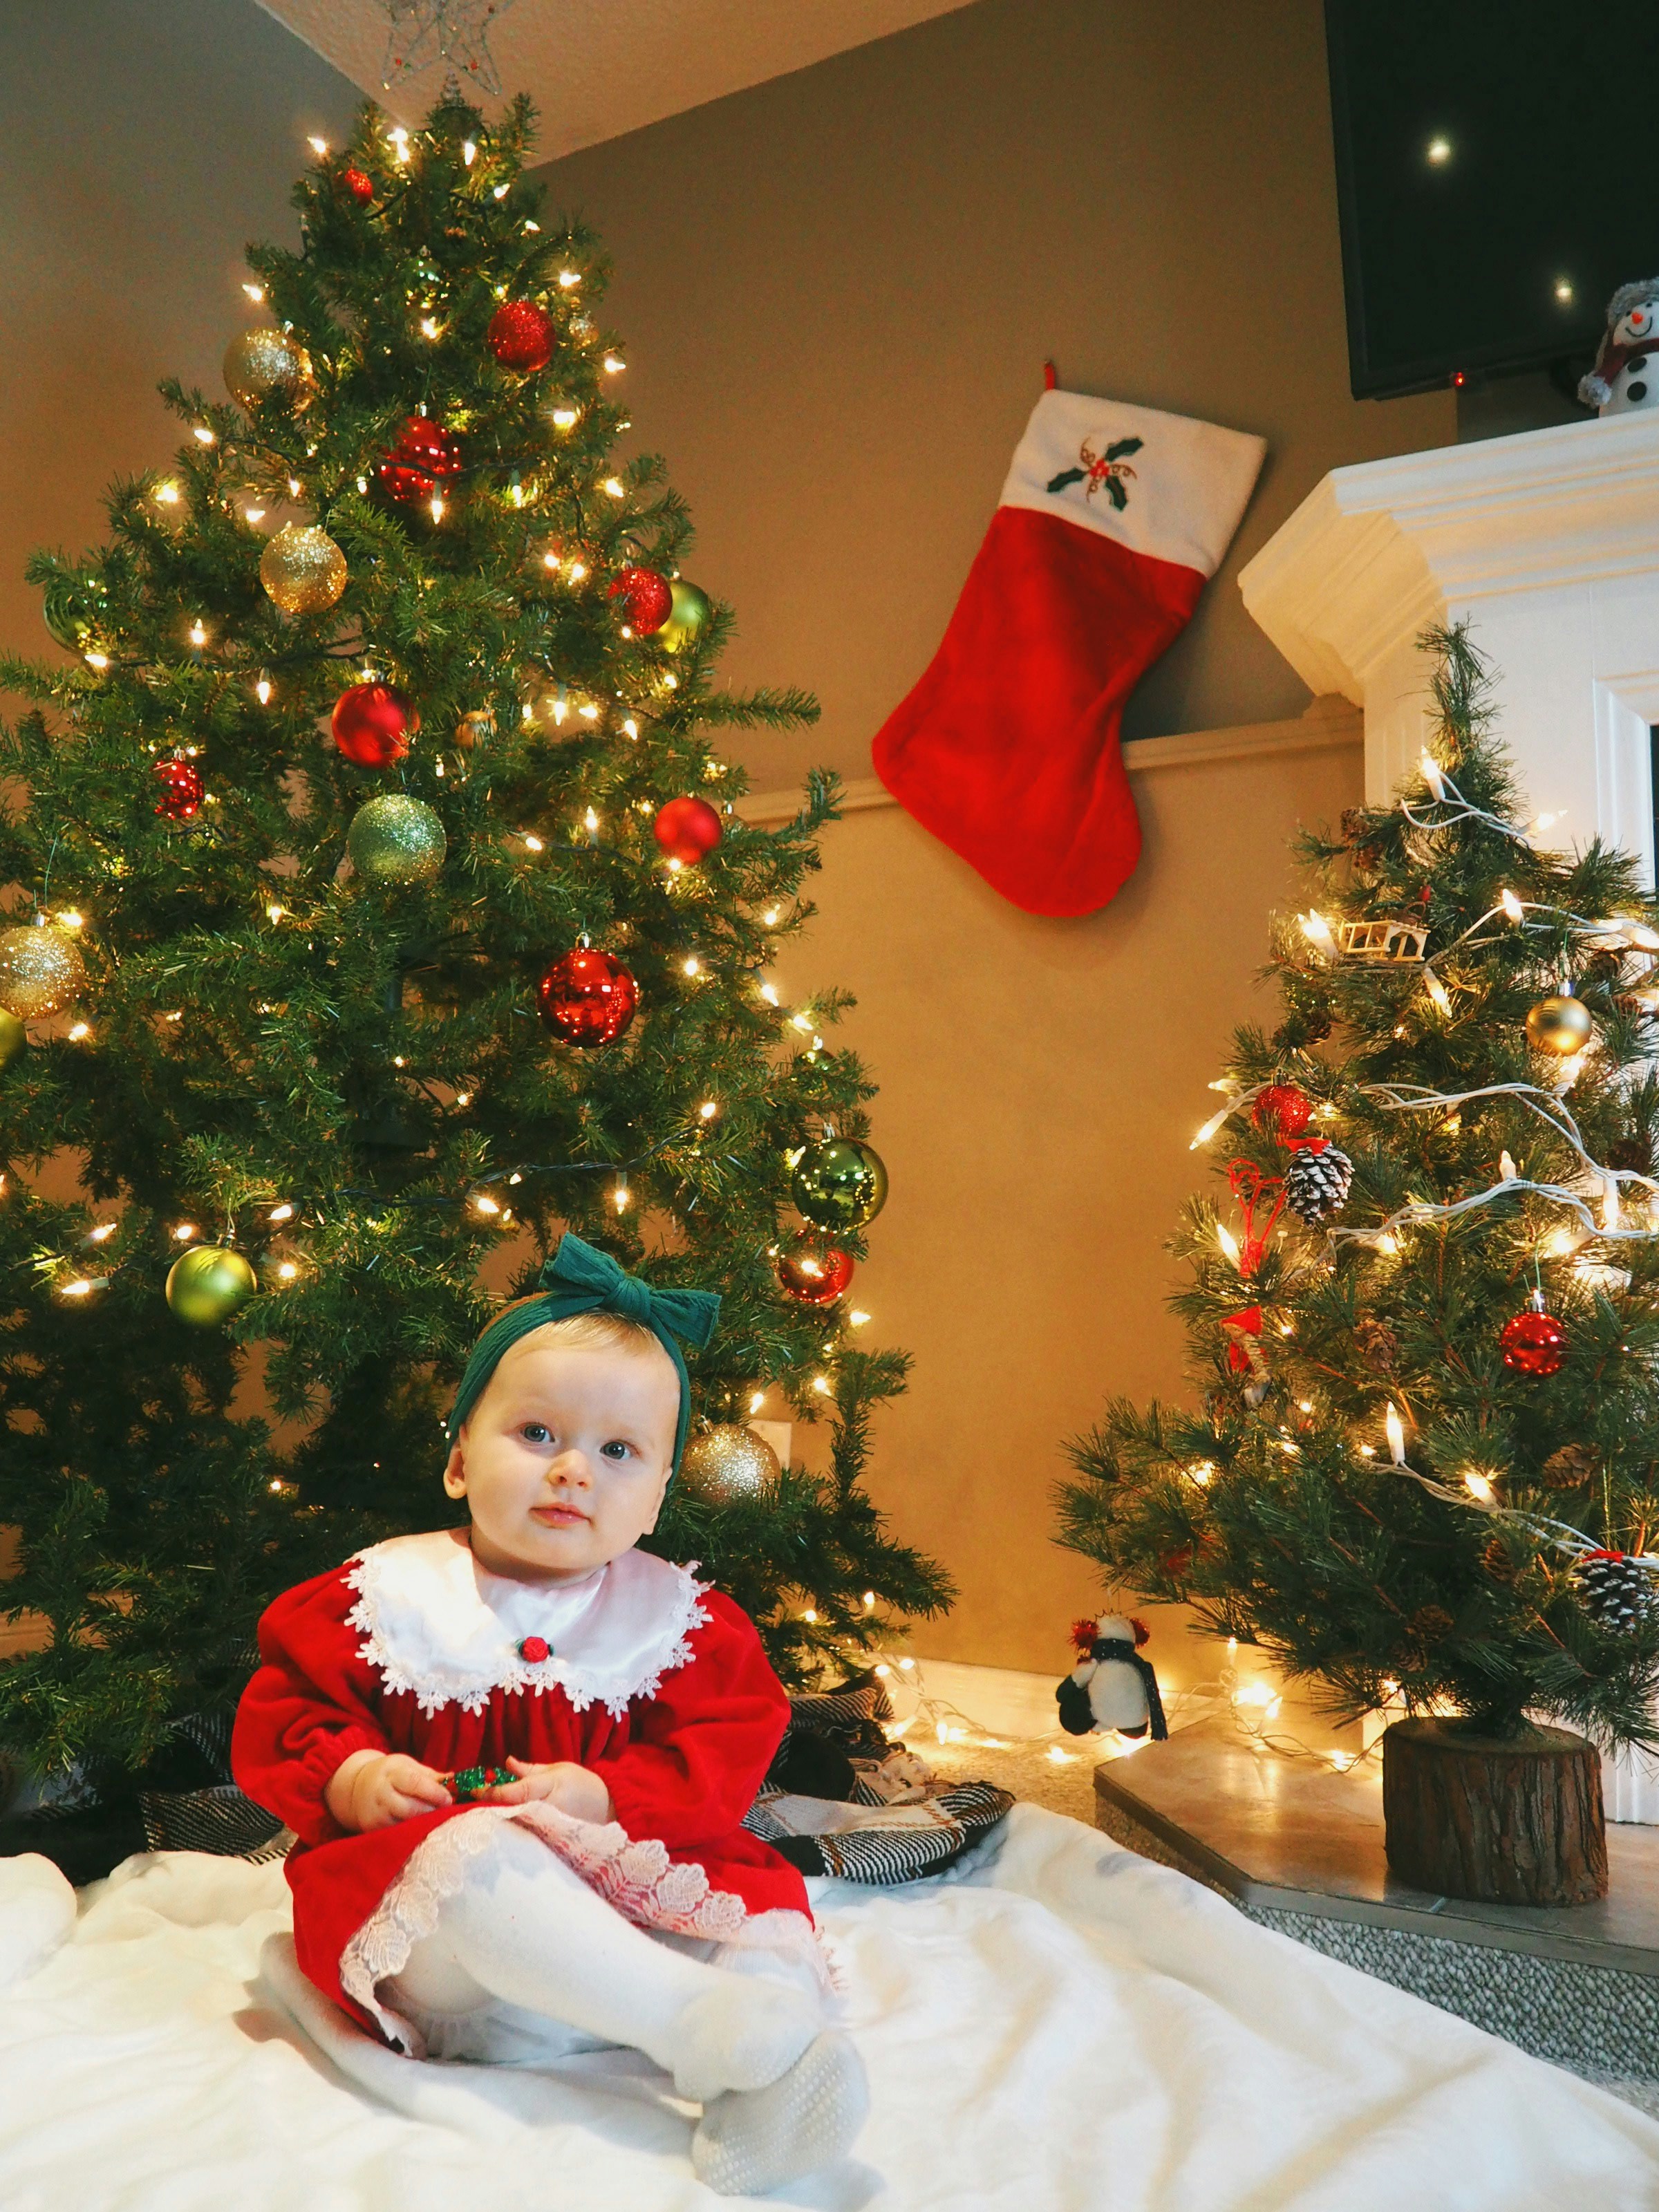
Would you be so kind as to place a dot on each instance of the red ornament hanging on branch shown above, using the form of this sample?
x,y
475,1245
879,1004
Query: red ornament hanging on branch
x,y
422,456
1282,1111
1534,1342
181,788
586,998
815,1275
1245,1357
374,723
521,335
356,184
688,829
1252,1190
648,598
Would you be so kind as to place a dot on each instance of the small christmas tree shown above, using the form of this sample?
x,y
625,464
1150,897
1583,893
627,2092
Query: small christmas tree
x,y
382,905
1423,1467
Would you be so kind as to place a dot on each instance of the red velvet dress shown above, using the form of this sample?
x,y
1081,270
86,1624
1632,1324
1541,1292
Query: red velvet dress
x,y
653,1680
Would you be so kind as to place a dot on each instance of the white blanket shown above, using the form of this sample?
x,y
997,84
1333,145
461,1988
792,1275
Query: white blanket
x,y
1058,2026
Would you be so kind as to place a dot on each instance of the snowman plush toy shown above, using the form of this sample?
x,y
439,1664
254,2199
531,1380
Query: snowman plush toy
x,y
1626,372
1111,1686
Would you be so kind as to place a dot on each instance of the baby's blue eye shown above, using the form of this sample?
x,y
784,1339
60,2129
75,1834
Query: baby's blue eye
x,y
616,1449
535,1432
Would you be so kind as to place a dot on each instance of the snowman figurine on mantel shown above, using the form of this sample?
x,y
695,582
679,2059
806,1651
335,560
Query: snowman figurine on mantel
x,y
1111,1686
1626,372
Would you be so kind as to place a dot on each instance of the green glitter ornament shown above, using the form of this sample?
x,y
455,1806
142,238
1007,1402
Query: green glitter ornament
x,y
839,1184
395,839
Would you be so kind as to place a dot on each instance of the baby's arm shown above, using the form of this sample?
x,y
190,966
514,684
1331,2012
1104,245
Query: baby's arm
x,y
372,1789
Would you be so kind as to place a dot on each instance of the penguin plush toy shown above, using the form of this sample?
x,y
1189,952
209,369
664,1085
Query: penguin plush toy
x,y
1111,1686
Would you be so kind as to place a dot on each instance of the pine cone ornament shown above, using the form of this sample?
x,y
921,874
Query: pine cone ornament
x,y
1633,1153
1317,1182
1571,1466
1614,1591
1377,1344
1497,1563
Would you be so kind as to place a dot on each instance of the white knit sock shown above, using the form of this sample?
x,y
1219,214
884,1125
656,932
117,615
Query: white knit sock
x,y
529,1930
751,2141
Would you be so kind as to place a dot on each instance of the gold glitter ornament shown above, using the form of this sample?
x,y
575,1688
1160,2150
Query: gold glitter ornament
x,y
1559,1025
397,839
41,971
726,1462
267,363
12,1037
206,1284
303,569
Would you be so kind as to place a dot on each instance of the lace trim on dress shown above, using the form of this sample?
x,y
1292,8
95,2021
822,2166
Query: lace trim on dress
x,y
457,1648
636,1876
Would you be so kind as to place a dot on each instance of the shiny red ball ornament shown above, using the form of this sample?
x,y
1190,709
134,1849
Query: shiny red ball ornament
x,y
1534,1342
422,457
647,598
374,723
521,335
1282,1111
815,1275
586,998
181,788
688,829
356,184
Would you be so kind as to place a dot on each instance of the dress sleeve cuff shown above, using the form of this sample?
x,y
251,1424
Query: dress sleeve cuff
x,y
325,1756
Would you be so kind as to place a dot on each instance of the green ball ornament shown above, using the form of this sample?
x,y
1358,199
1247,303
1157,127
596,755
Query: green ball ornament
x,y
397,839
72,608
839,1184
13,1037
207,1284
690,611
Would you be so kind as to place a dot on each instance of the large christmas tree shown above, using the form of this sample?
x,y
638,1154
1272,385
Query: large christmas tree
x,y
378,905
1427,1444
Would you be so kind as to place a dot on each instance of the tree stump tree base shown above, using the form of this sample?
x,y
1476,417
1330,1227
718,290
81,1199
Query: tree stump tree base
x,y
1504,1820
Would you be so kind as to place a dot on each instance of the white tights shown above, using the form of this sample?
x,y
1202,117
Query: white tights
x,y
527,1962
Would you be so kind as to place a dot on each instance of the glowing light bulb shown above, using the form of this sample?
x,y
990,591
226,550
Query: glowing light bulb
x,y
202,435
464,1099
1209,1128
612,366
80,1032
1438,151
857,1318
184,1231
567,277
621,1197
104,1229
283,1212
1436,991
1479,1487
430,326
501,192
534,843
483,1203
167,494
1227,1241
255,292
757,1399
1317,931
1396,1434
468,153
99,661
78,1288
437,507
1203,1473
820,1385
318,147
71,918
262,692
1511,905
694,966
769,994
708,1110
287,1270
563,417
615,487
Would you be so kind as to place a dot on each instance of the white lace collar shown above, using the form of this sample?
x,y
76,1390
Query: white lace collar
x,y
436,1624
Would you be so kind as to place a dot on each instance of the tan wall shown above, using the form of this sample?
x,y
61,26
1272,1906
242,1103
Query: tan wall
x,y
838,290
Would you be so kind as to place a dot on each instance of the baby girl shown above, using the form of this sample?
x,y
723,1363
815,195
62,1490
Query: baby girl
x,y
593,1884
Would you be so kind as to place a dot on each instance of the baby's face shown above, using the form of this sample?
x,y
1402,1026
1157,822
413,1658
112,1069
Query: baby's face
x,y
565,1458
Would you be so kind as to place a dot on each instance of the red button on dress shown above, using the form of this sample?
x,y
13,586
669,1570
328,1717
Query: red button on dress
x,y
535,1649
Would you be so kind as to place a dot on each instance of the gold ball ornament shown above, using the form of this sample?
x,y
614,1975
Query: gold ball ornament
x,y
207,1284
1559,1025
690,611
41,971
267,363
303,569
12,1037
395,839
726,1462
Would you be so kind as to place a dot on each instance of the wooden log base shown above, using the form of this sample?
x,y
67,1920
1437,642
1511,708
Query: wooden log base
x,y
1506,1820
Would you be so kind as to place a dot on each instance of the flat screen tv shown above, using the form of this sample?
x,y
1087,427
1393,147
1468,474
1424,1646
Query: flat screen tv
x,y
1490,196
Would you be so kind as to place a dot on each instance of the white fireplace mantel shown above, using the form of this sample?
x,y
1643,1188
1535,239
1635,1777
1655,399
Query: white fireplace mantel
x,y
1549,544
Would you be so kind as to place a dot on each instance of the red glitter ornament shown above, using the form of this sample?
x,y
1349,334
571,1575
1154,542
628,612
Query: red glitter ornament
x,y
422,456
815,1275
182,790
647,598
356,184
586,998
374,723
1534,1342
1282,1111
521,335
688,829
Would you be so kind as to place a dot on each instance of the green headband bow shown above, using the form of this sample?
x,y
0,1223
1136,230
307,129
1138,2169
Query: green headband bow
x,y
577,1279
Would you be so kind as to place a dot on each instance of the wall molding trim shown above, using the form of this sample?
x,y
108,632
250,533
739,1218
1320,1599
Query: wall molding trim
x,y
1328,724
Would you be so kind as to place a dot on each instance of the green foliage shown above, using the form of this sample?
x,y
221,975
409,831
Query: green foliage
x,y
1285,1524
262,1031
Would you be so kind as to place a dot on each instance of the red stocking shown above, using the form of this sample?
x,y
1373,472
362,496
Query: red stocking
x,y
1110,522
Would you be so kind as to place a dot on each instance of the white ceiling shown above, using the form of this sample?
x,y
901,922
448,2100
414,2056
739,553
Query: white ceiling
x,y
597,68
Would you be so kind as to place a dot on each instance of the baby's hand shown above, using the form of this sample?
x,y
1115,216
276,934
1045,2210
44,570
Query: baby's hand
x,y
575,1789
372,1789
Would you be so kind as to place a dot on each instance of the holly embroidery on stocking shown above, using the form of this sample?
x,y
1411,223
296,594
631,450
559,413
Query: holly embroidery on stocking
x,y
1108,468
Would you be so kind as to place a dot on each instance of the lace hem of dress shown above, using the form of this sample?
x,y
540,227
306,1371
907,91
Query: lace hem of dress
x,y
636,1876
433,1686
